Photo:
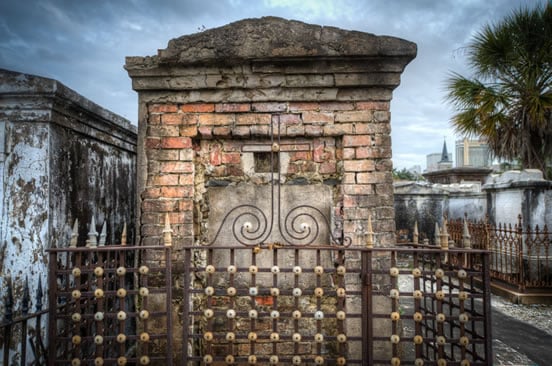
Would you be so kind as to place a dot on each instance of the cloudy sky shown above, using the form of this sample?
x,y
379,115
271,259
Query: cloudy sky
x,y
83,44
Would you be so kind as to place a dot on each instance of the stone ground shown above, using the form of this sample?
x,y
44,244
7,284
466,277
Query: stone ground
x,y
522,334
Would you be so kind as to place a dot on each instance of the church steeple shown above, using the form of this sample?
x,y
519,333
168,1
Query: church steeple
x,y
444,154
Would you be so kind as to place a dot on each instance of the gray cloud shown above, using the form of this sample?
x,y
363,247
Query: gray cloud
x,y
84,43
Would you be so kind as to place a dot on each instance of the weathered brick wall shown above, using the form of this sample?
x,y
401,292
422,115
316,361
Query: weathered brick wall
x,y
351,142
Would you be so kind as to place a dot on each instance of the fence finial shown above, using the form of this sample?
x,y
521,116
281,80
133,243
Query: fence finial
x,y
39,295
437,234
415,234
74,234
103,234
167,232
124,235
370,234
444,235
92,234
466,237
26,298
8,304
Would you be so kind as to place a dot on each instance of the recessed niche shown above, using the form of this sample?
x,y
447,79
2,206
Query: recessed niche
x,y
265,162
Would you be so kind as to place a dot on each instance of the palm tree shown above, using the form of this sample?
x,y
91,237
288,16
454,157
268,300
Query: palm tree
x,y
508,101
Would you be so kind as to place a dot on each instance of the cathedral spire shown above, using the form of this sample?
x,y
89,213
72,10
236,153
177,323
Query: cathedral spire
x,y
444,154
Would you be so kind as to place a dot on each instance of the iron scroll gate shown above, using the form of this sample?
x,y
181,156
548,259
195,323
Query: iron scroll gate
x,y
328,305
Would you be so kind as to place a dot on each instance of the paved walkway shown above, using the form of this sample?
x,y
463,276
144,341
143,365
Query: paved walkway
x,y
518,343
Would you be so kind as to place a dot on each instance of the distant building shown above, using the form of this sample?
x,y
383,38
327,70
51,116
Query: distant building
x,y
473,153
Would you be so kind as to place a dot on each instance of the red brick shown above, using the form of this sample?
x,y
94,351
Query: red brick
x,y
328,167
383,140
176,143
219,171
233,107
185,205
151,193
318,117
164,180
215,156
300,155
290,119
295,130
162,155
171,118
158,205
231,158
178,217
357,140
313,130
222,131
205,131
336,106
358,189
154,119
234,170
241,131
151,218
348,153
229,145
259,130
358,165
379,106
176,192
153,143
349,178
338,130
190,131
190,119
216,119
151,230
353,116
198,107
186,179
176,167
307,106
150,241
162,108
161,131
269,107
253,119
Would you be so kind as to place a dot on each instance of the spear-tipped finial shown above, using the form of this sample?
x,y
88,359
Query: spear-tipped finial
x,y
167,232
103,235
92,234
466,237
26,298
74,234
437,234
444,235
124,235
370,234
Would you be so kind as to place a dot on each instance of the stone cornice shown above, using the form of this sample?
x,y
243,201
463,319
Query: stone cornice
x,y
30,98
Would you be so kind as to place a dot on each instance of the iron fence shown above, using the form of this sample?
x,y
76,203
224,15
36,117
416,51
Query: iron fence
x,y
520,255
21,332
